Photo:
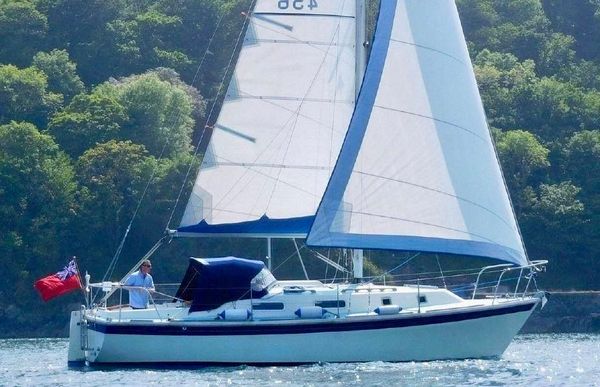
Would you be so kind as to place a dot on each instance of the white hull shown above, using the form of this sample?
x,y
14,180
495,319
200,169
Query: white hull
x,y
476,332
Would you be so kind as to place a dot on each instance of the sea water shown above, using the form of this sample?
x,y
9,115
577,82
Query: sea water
x,y
533,360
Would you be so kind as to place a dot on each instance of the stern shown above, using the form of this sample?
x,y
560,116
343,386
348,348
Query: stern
x,y
76,339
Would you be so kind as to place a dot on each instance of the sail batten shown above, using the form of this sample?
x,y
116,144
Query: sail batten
x,y
418,169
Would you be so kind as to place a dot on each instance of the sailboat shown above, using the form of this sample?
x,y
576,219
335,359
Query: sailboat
x,y
315,142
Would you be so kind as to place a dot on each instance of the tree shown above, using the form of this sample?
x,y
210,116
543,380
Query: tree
x,y
554,228
557,54
518,27
23,96
145,41
160,114
585,74
552,109
499,76
522,156
580,20
61,73
22,31
37,191
556,204
88,120
200,18
80,26
113,176
172,77
582,153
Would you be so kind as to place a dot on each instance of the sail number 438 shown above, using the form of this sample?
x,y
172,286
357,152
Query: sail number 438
x,y
297,4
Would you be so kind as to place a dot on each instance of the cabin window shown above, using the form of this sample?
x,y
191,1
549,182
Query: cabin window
x,y
386,301
268,306
422,299
331,304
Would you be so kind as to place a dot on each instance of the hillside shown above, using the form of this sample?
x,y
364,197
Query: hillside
x,y
102,101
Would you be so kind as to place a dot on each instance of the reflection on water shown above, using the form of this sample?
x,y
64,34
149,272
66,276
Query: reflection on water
x,y
530,360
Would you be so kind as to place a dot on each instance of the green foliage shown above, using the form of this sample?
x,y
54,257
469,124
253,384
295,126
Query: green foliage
x,y
516,26
583,159
557,54
89,119
160,114
80,26
22,31
500,76
37,190
143,40
581,20
23,96
521,155
61,73
112,177
557,204
201,18
554,109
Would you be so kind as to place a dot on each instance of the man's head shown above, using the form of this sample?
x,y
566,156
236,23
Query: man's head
x,y
146,266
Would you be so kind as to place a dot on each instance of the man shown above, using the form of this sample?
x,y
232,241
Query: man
x,y
138,298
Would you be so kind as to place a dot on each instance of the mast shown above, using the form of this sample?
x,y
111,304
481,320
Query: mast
x,y
361,44
269,254
361,64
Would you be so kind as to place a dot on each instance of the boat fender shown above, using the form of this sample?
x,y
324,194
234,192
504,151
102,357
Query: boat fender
x,y
310,312
388,309
235,314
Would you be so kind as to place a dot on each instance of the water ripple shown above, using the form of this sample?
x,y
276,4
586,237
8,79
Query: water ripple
x,y
549,360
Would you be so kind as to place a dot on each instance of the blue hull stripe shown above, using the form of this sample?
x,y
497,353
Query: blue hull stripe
x,y
303,327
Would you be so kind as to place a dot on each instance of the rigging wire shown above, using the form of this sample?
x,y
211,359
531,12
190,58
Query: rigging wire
x,y
301,105
110,270
288,258
208,117
397,267
115,259
437,258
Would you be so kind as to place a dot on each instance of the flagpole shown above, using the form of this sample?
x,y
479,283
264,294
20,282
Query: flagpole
x,y
74,258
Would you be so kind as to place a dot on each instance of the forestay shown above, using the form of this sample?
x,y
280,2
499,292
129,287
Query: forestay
x,y
283,121
418,169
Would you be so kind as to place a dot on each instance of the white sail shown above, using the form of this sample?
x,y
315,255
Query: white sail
x,y
282,124
418,169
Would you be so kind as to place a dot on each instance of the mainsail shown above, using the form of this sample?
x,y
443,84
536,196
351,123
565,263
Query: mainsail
x,y
284,118
418,169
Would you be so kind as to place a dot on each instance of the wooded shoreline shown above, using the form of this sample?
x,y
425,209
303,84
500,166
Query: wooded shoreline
x,y
577,312
92,91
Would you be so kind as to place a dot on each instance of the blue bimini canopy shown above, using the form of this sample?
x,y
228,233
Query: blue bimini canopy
x,y
210,282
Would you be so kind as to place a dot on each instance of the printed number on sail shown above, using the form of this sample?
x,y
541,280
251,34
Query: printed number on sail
x,y
297,4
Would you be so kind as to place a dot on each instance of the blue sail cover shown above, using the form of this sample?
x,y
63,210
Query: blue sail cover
x,y
418,169
261,226
209,283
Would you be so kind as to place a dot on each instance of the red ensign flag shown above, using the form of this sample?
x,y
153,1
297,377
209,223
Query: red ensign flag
x,y
60,283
